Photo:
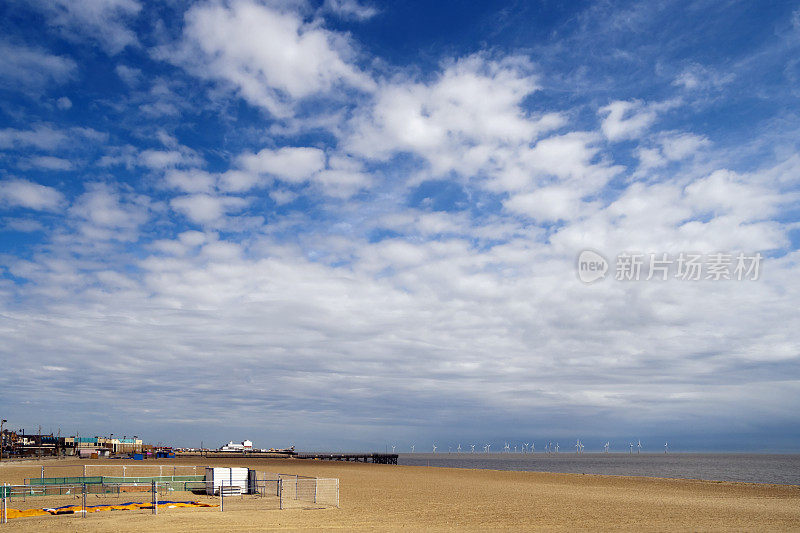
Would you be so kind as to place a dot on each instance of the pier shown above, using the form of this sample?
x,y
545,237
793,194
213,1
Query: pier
x,y
378,458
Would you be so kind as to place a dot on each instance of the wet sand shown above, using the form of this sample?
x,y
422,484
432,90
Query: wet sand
x,y
390,497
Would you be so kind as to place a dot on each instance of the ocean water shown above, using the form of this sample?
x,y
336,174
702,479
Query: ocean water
x,y
754,468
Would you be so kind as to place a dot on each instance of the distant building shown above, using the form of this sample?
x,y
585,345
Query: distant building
x,y
245,446
113,445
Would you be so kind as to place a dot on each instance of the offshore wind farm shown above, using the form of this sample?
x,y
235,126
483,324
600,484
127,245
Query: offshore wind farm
x,y
739,467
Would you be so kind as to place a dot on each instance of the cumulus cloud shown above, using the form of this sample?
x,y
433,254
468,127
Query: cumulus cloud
x,y
291,164
698,77
669,147
46,138
105,21
104,212
206,209
625,120
24,67
548,204
50,163
468,120
271,57
24,193
41,137
129,75
350,9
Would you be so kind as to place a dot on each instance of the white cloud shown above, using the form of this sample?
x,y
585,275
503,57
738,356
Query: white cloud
x,y
342,183
238,180
28,67
282,196
207,209
679,146
164,159
64,103
290,164
104,212
461,121
46,138
193,180
350,9
129,75
105,21
727,193
50,163
24,193
697,77
270,56
24,225
670,146
548,204
626,120
160,159
41,137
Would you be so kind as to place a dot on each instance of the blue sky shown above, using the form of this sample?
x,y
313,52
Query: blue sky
x,y
346,224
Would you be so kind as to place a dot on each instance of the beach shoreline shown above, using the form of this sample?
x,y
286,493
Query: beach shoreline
x,y
390,497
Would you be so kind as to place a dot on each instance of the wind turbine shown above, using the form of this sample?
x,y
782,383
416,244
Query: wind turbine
x,y
459,448
515,448
412,448
488,447
607,444
639,448
557,447
506,448
631,448
393,447
434,447
525,446
473,448
666,447
533,447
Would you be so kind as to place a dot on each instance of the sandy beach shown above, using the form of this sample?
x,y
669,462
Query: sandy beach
x,y
389,497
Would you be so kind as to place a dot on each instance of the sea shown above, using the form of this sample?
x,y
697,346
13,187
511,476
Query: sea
x,y
754,468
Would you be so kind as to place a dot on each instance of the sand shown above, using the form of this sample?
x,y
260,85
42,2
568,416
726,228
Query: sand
x,y
390,497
